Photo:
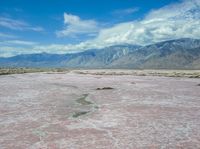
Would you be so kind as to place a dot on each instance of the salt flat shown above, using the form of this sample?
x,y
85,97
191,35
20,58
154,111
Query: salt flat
x,y
87,111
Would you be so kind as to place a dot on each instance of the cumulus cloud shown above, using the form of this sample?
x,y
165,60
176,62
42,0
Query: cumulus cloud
x,y
171,22
178,20
18,25
74,25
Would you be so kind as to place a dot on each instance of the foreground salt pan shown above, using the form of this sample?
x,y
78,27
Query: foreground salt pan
x,y
68,110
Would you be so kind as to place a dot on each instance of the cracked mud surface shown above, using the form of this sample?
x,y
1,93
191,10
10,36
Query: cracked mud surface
x,y
37,112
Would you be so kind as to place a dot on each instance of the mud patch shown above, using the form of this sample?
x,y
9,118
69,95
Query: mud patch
x,y
82,100
84,104
80,113
105,88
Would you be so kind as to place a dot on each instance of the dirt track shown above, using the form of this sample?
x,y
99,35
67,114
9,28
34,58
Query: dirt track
x,y
83,111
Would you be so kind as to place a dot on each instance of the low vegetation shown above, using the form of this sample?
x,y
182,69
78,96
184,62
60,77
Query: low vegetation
x,y
165,73
8,71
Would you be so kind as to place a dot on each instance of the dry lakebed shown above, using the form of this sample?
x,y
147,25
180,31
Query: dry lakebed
x,y
87,110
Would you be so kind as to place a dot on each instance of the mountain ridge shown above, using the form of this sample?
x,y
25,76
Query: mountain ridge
x,y
172,54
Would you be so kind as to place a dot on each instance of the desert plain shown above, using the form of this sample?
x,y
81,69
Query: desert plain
x,y
99,109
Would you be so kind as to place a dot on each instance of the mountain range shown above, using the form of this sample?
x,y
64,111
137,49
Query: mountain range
x,y
173,54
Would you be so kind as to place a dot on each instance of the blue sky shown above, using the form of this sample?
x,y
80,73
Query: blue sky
x,y
62,26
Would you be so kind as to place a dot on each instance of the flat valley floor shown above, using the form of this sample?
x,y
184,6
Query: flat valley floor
x,y
87,111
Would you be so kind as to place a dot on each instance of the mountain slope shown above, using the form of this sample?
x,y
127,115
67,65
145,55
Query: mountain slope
x,y
95,58
173,54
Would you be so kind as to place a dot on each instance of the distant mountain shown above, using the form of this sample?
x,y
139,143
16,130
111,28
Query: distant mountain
x,y
99,58
33,60
173,54
94,58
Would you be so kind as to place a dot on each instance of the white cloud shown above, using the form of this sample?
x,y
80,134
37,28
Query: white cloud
x,y
179,20
124,12
171,22
74,25
15,47
4,35
8,51
18,25
18,42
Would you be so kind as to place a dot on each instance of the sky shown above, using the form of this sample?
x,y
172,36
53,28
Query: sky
x,y
69,26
